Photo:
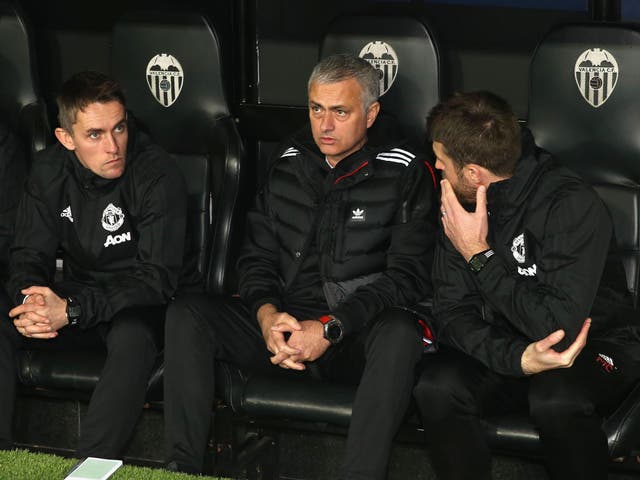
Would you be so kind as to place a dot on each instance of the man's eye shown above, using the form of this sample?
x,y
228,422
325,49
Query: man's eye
x,y
94,135
341,113
316,109
120,128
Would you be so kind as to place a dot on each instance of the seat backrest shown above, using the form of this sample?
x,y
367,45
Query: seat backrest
x,y
170,68
404,51
584,108
21,104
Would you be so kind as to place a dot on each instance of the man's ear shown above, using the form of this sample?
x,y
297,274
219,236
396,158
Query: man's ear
x,y
473,173
476,174
65,138
372,113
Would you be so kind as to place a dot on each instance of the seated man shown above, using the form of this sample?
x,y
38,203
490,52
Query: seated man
x,y
338,246
13,171
114,204
516,275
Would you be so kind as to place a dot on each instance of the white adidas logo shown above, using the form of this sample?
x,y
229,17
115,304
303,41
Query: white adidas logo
x,y
66,213
357,215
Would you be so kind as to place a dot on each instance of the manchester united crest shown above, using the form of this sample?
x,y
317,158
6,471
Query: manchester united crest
x,y
518,249
596,74
165,78
112,218
383,57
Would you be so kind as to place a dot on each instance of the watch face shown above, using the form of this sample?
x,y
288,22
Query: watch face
x,y
73,311
334,332
477,262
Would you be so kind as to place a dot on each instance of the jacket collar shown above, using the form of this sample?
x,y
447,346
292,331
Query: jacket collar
x,y
506,196
88,179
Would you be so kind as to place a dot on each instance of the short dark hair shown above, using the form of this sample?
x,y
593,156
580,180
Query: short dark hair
x,y
343,66
477,127
82,89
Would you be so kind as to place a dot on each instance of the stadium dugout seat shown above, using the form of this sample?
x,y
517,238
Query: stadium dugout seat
x,y
175,92
21,104
584,108
405,52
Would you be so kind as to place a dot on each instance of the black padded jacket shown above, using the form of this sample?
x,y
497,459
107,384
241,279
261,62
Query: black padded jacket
x,y
551,234
121,240
353,240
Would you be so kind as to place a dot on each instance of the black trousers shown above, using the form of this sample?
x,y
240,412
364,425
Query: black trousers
x,y
201,330
455,391
132,340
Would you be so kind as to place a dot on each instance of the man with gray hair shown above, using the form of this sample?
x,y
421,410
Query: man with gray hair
x,y
337,251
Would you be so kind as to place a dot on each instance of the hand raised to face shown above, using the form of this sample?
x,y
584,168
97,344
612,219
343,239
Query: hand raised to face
x,y
466,230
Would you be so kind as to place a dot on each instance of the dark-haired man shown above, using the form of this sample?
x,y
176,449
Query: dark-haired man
x,y
517,271
114,204
338,246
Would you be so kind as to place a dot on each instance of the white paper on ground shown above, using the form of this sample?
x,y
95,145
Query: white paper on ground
x,y
94,469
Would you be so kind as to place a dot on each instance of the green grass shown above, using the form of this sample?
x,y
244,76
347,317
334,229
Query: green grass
x,y
25,465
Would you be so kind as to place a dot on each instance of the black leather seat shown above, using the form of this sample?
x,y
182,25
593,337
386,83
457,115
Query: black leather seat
x,y
175,92
584,108
170,67
21,104
405,51
24,110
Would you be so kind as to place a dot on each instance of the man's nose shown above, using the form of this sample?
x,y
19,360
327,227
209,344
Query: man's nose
x,y
111,146
327,123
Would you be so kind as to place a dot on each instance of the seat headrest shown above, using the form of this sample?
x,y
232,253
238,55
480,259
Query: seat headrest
x,y
17,62
169,66
584,105
404,51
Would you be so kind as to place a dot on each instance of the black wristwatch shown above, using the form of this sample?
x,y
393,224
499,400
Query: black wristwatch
x,y
74,310
479,260
333,330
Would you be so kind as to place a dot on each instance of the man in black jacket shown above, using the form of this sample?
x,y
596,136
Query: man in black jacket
x,y
338,247
114,205
515,278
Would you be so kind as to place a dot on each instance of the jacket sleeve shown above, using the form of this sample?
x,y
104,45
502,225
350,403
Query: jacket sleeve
x,y
459,315
574,247
406,279
153,278
32,257
258,266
